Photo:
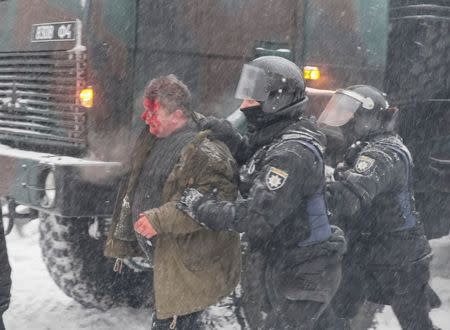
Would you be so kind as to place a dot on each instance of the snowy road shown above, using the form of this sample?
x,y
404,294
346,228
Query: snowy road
x,y
38,303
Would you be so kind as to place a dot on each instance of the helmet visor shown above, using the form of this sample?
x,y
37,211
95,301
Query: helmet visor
x,y
339,111
253,84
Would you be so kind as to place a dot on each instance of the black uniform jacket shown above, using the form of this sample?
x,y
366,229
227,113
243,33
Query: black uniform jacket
x,y
365,200
275,184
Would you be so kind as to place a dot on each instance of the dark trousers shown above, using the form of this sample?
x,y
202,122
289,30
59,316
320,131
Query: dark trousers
x,y
183,322
405,290
412,309
328,320
290,315
292,289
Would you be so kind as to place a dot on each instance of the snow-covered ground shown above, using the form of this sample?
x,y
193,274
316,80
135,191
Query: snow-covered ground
x,y
37,303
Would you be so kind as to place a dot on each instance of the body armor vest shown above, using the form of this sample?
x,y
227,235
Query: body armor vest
x,y
316,210
404,196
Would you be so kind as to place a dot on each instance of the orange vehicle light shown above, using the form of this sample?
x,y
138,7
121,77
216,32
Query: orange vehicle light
x,y
87,97
311,73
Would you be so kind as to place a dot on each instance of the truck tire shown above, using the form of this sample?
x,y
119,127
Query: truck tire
x,y
418,53
417,79
76,263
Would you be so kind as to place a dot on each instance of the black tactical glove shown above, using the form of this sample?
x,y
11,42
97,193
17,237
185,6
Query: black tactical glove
x,y
206,209
221,129
353,152
189,202
339,171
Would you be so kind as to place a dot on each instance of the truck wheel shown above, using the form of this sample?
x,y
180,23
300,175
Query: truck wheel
x,y
418,71
417,60
76,263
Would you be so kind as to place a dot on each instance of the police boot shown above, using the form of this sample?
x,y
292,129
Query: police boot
x,y
433,298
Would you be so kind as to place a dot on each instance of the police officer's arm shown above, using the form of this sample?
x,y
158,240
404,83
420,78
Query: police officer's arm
x,y
211,168
222,130
166,219
375,171
287,175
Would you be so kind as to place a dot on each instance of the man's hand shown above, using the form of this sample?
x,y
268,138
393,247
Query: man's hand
x,y
144,227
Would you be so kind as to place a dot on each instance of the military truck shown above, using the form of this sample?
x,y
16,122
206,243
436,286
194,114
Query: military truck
x,y
417,79
72,74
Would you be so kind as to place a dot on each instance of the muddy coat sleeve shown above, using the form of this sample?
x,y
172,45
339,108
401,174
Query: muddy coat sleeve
x,y
375,171
205,165
267,206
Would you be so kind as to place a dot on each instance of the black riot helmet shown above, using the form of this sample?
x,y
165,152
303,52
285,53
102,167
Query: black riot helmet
x,y
361,111
273,81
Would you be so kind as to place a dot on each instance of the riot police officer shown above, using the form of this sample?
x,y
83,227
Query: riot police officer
x,y
372,199
292,267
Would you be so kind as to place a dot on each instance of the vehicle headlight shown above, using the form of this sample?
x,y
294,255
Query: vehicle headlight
x,y
48,200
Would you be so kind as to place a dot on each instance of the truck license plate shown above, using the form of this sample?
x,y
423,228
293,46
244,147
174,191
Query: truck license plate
x,y
61,31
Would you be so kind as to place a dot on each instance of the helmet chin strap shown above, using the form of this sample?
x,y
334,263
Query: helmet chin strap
x,y
294,109
259,119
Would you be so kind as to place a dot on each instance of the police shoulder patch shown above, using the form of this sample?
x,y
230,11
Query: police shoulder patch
x,y
275,178
363,164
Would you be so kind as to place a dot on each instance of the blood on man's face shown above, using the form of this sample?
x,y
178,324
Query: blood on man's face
x,y
158,119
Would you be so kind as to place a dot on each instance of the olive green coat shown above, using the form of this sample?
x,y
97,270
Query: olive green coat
x,y
194,267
